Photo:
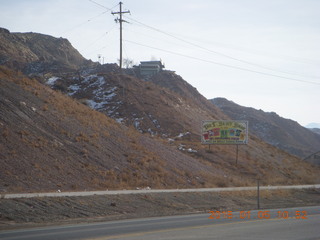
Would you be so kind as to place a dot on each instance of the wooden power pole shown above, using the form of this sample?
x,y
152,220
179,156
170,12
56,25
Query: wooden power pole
x,y
120,20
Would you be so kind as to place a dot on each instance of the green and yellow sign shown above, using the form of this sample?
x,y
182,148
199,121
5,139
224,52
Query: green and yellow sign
x,y
224,132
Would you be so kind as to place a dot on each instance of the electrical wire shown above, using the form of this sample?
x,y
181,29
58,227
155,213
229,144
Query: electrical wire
x,y
254,51
100,5
155,38
222,64
90,19
215,52
83,23
102,36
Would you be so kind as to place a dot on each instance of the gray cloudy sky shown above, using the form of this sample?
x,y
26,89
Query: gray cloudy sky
x,y
258,53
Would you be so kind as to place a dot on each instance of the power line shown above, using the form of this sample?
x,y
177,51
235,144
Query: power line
x,y
100,5
215,52
256,51
96,40
83,23
224,65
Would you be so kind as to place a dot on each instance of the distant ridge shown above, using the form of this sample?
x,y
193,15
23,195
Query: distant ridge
x,y
270,127
313,125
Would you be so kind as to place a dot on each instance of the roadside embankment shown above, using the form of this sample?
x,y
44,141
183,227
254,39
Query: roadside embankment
x,y
37,211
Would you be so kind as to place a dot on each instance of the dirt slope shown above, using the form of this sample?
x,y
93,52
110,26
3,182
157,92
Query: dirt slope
x,y
49,142
145,105
38,53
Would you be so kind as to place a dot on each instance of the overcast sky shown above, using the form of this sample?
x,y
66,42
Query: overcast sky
x,y
258,53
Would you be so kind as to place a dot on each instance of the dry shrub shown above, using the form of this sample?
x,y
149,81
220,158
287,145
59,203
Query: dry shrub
x,y
45,107
5,132
23,133
82,137
84,152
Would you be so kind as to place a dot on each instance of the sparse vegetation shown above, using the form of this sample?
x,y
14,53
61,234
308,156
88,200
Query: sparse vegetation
x,y
51,140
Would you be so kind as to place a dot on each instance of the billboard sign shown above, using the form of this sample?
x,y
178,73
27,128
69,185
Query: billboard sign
x,y
224,132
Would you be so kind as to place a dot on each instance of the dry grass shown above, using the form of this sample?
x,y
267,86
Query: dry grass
x,y
95,152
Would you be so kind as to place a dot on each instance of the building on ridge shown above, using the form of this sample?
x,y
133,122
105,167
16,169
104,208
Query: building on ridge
x,y
150,68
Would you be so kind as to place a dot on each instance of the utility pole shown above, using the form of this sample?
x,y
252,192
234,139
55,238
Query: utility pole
x,y
258,192
120,20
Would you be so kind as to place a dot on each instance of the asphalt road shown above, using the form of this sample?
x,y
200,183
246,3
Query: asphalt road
x,y
293,223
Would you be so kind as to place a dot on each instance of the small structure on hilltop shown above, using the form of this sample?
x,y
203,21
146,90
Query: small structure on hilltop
x,y
150,68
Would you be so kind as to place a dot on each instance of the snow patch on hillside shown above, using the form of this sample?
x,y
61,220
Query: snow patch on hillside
x,y
72,89
98,93
51,81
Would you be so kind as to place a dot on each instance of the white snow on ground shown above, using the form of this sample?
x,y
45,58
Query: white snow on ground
x,y
94,105
94,80
182,147
102,94
120,120
183,134
100,102
111,90
51,81
136,123
73,89
155,121
190,150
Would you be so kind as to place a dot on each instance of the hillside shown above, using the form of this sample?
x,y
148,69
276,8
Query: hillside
x,y
270,127
145,105
35,53
315,130
49,142
59,135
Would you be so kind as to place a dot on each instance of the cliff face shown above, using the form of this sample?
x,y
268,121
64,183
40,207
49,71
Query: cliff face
x,y
38,53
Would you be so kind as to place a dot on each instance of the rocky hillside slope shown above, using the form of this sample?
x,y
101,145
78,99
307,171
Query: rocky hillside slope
x,y
38,53
270,127
147,106
49,142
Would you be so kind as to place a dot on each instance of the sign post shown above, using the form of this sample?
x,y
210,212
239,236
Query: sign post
x,y
237,151
258,193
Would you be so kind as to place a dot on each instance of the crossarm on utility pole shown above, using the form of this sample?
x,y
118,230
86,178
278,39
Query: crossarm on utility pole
x,y
120,20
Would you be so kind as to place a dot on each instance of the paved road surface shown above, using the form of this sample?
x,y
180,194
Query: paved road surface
x,y
145,191
294,223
